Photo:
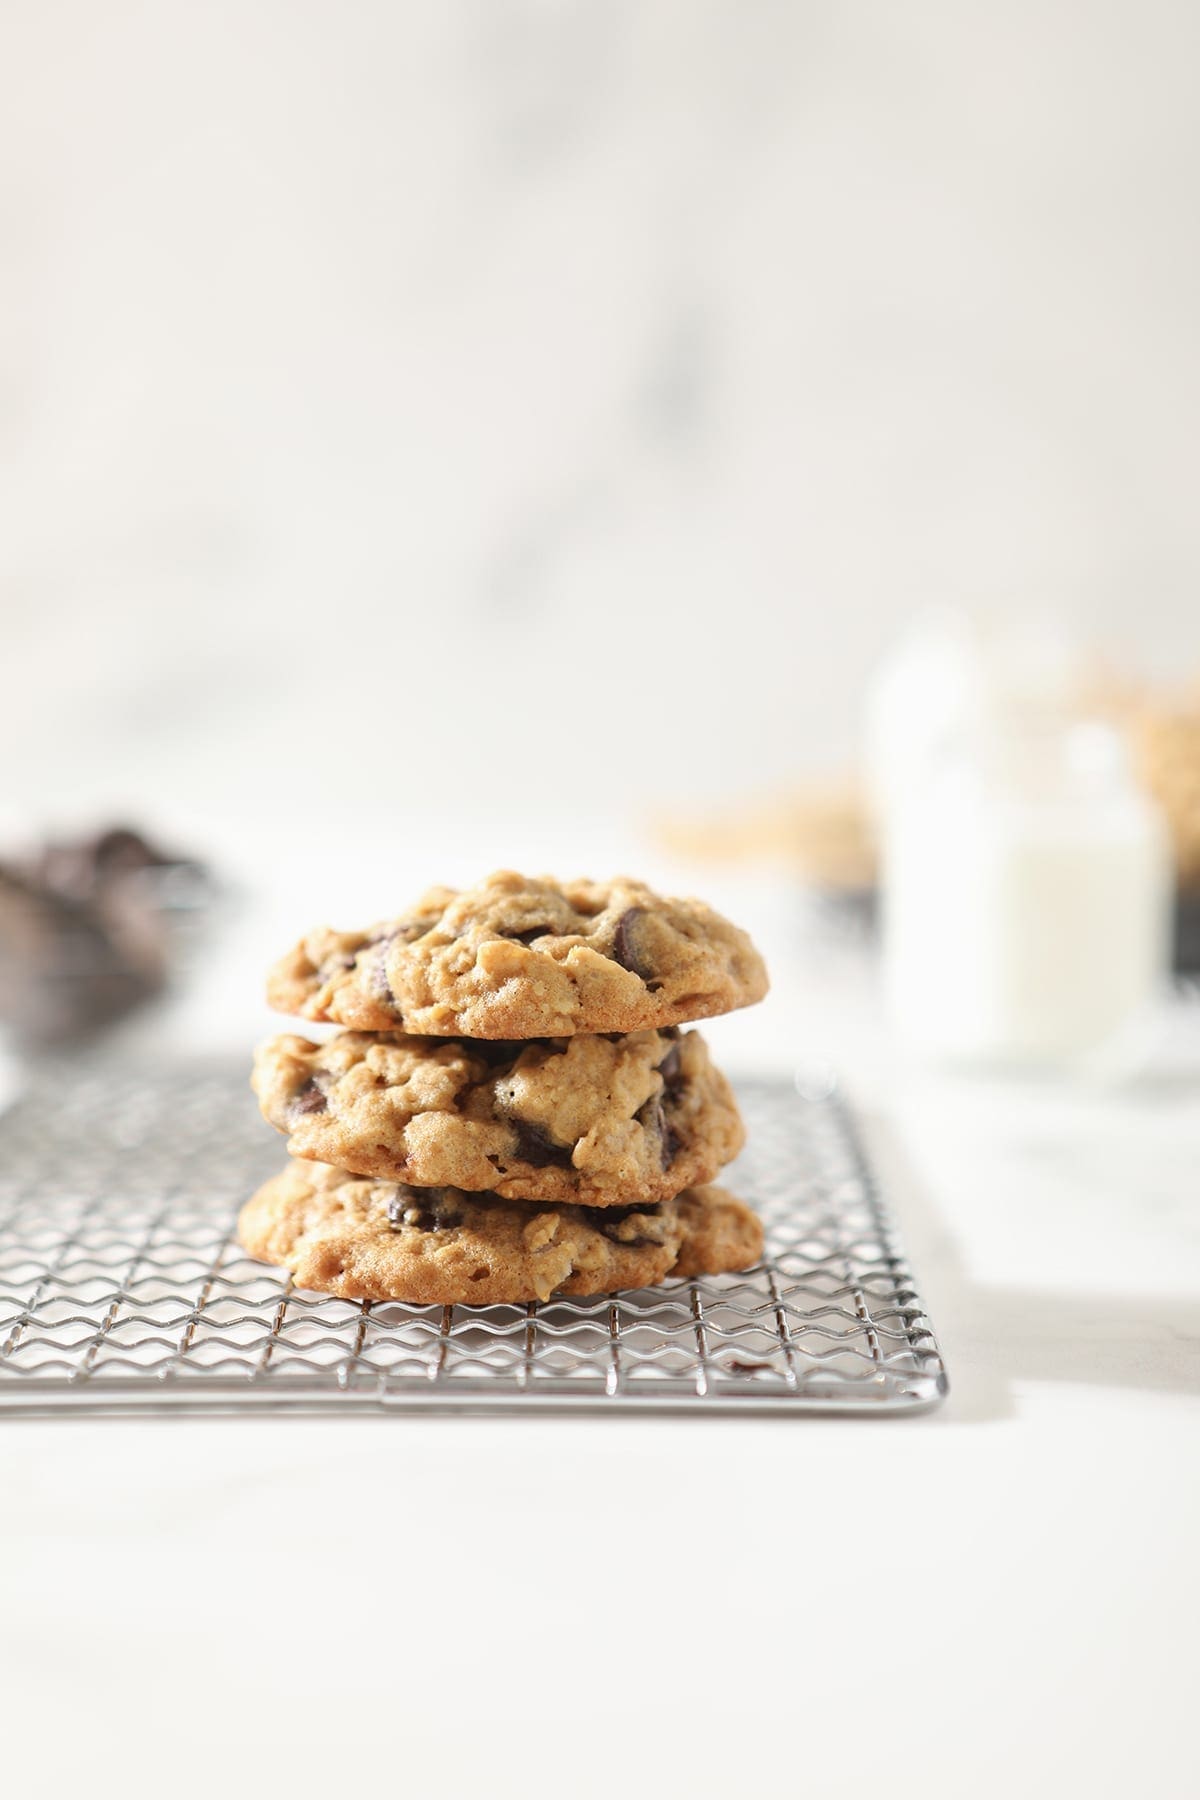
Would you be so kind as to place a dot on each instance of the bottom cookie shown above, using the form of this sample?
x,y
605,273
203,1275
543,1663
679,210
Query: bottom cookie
x,y
376,1240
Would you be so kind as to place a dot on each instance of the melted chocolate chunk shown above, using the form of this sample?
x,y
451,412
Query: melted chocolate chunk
x,y
606,1219
613,1215
671,1071
626,949
406,932
652,1117
346,959
539,1150
495,1052
310,1099
650,1114
631,947
423,1210
530,932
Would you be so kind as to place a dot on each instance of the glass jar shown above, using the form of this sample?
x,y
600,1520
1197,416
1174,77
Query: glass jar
x,y
1026,895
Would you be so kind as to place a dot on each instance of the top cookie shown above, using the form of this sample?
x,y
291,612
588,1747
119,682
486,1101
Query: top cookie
x,y
515,957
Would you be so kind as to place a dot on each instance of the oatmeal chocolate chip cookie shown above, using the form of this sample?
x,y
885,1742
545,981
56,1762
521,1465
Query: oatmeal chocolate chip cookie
x,y
378,1240
519,958
597,1121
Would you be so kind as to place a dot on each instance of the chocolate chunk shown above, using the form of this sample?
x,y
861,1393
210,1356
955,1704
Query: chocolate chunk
x,y
445,1216
607,1219
346,959
530,932
537,1148
310,1099
381,987
423,1210
629,946
496,1052
652,1117
670,1141
670,1070
412,929
406,932
650,1114
603,1216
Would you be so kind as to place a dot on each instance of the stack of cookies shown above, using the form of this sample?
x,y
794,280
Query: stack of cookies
x,y
511,1110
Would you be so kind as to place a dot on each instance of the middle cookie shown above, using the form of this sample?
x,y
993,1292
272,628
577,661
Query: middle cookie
x,y
595,1121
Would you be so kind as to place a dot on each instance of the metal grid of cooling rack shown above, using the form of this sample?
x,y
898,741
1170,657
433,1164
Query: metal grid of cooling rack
x,y
122,1288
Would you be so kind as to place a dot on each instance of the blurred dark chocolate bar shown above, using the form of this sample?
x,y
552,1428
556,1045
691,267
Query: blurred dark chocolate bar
x,y
85,929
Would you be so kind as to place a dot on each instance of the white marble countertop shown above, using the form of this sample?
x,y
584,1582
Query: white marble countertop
x,y
995,1597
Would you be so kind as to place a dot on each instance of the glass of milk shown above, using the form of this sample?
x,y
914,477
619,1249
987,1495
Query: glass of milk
x,y
1026,893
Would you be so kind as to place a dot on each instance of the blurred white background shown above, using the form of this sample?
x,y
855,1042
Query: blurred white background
x,y
405,405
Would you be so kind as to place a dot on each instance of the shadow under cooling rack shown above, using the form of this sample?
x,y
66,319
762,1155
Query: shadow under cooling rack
x,y
123,1290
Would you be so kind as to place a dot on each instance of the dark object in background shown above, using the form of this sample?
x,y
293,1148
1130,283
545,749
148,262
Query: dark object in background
x,y
85,931
1187,934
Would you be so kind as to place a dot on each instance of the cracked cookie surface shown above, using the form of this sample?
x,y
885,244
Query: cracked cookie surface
x,y
598,1121
516,957
370,1240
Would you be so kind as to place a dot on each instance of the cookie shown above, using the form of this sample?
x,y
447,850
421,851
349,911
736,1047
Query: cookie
x,y
377,1240
519,958
595,1121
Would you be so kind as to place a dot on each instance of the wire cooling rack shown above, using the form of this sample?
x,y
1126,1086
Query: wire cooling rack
x,y
122,1288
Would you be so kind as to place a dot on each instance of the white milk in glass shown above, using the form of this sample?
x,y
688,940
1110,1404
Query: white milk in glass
x,y
1026,896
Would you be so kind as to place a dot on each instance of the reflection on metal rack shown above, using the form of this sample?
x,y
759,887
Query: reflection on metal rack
x,y
123,1289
